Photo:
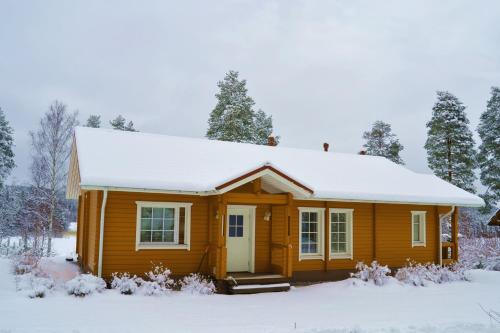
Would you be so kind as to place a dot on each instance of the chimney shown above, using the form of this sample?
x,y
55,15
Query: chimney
x,y
325,146
362,152
271,141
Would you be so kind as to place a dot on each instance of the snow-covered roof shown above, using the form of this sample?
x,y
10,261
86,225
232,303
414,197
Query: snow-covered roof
x,y
133,160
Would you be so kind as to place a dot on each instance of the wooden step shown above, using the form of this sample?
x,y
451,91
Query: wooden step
x,y
260,279
259,288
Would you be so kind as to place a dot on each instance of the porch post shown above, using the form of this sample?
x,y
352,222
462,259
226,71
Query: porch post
x,y
221,264
287,249
454,234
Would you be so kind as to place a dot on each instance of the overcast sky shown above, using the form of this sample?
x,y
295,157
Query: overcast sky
x,y
325,70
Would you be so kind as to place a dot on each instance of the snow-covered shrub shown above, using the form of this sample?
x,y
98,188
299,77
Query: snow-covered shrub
x,y
375,273
25,263
197,284
483,253
85,284
158,281
422,274
125,283
32,285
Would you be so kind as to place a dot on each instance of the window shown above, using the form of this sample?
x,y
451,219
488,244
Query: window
x,y
311,233
340,233
417,228
235,225
163,225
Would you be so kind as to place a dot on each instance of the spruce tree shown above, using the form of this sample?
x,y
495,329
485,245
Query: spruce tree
x,y
6,145
94,121
450,146
380,141
233,118
489,150
119,123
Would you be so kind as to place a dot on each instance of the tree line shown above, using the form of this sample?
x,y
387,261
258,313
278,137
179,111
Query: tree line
x,y
38,210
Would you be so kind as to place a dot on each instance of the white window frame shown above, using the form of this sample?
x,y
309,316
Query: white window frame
x,y
349,254
162,246
423,228
321,238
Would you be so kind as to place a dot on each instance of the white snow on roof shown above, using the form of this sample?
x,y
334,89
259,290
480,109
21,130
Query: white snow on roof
x,y
120,159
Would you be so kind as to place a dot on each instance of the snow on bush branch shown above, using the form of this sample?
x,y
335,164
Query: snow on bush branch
x,y
480,252
197,284
30,279
422,274
375,273
85,284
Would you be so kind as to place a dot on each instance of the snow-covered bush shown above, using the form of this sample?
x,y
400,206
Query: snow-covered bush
x,y
125,283
422,274
483,253
32,285
158,281
375,273
197,284
85,284
25,263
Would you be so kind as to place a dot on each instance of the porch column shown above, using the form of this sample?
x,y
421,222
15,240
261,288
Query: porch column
x,y
221,257
287,249
454,234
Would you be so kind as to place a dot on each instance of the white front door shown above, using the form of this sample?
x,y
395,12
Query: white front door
x,y
239,241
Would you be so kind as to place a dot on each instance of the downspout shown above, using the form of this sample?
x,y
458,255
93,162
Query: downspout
x,y
101,230
440,240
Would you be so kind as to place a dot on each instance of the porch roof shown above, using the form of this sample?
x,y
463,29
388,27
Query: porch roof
x,y
153,162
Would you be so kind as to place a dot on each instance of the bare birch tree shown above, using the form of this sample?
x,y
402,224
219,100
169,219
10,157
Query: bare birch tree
x,y
51,145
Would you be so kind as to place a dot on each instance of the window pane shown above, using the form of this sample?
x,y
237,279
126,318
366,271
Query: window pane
x,y
342,217
157,224
342,227
313,217
335,227
313,238
313,248
305,227
416,218
146,224
342,247
416,232
168,224
169,213
156,236
239,220
335,217
305,217
305,238
335,237
232,231
239,231
168,236
305,248
145,236
146,211
232,220
342,237
158,212
313,227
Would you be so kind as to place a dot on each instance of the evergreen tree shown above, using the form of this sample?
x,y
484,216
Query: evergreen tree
x,y
94,121
489,150
233,118
6,144
450,146
120,123
380,141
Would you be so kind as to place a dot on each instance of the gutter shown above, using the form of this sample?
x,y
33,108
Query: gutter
x,y
440,240
101,230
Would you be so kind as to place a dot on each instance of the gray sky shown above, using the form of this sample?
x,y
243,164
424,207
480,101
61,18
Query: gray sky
x,y
325,70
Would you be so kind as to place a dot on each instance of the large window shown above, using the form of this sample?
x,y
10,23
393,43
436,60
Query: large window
x,y
311,233
418,228
163,225
340,233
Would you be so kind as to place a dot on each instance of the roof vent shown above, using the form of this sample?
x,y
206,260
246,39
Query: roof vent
x,y
326,146
271,141
362,152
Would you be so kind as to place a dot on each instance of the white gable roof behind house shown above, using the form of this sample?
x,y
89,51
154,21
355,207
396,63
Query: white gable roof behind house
x,y
110,158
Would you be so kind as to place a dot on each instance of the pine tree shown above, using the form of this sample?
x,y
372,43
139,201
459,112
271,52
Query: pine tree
x,y
450,146
94,121
233,118
489,150
119,123
6,144
380,141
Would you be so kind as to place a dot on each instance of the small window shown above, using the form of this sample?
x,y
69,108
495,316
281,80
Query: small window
x,y
418,228
235,225
340,233
311,233
163,225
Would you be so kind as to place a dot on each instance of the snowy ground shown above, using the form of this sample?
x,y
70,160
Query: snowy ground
x,y
325,308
